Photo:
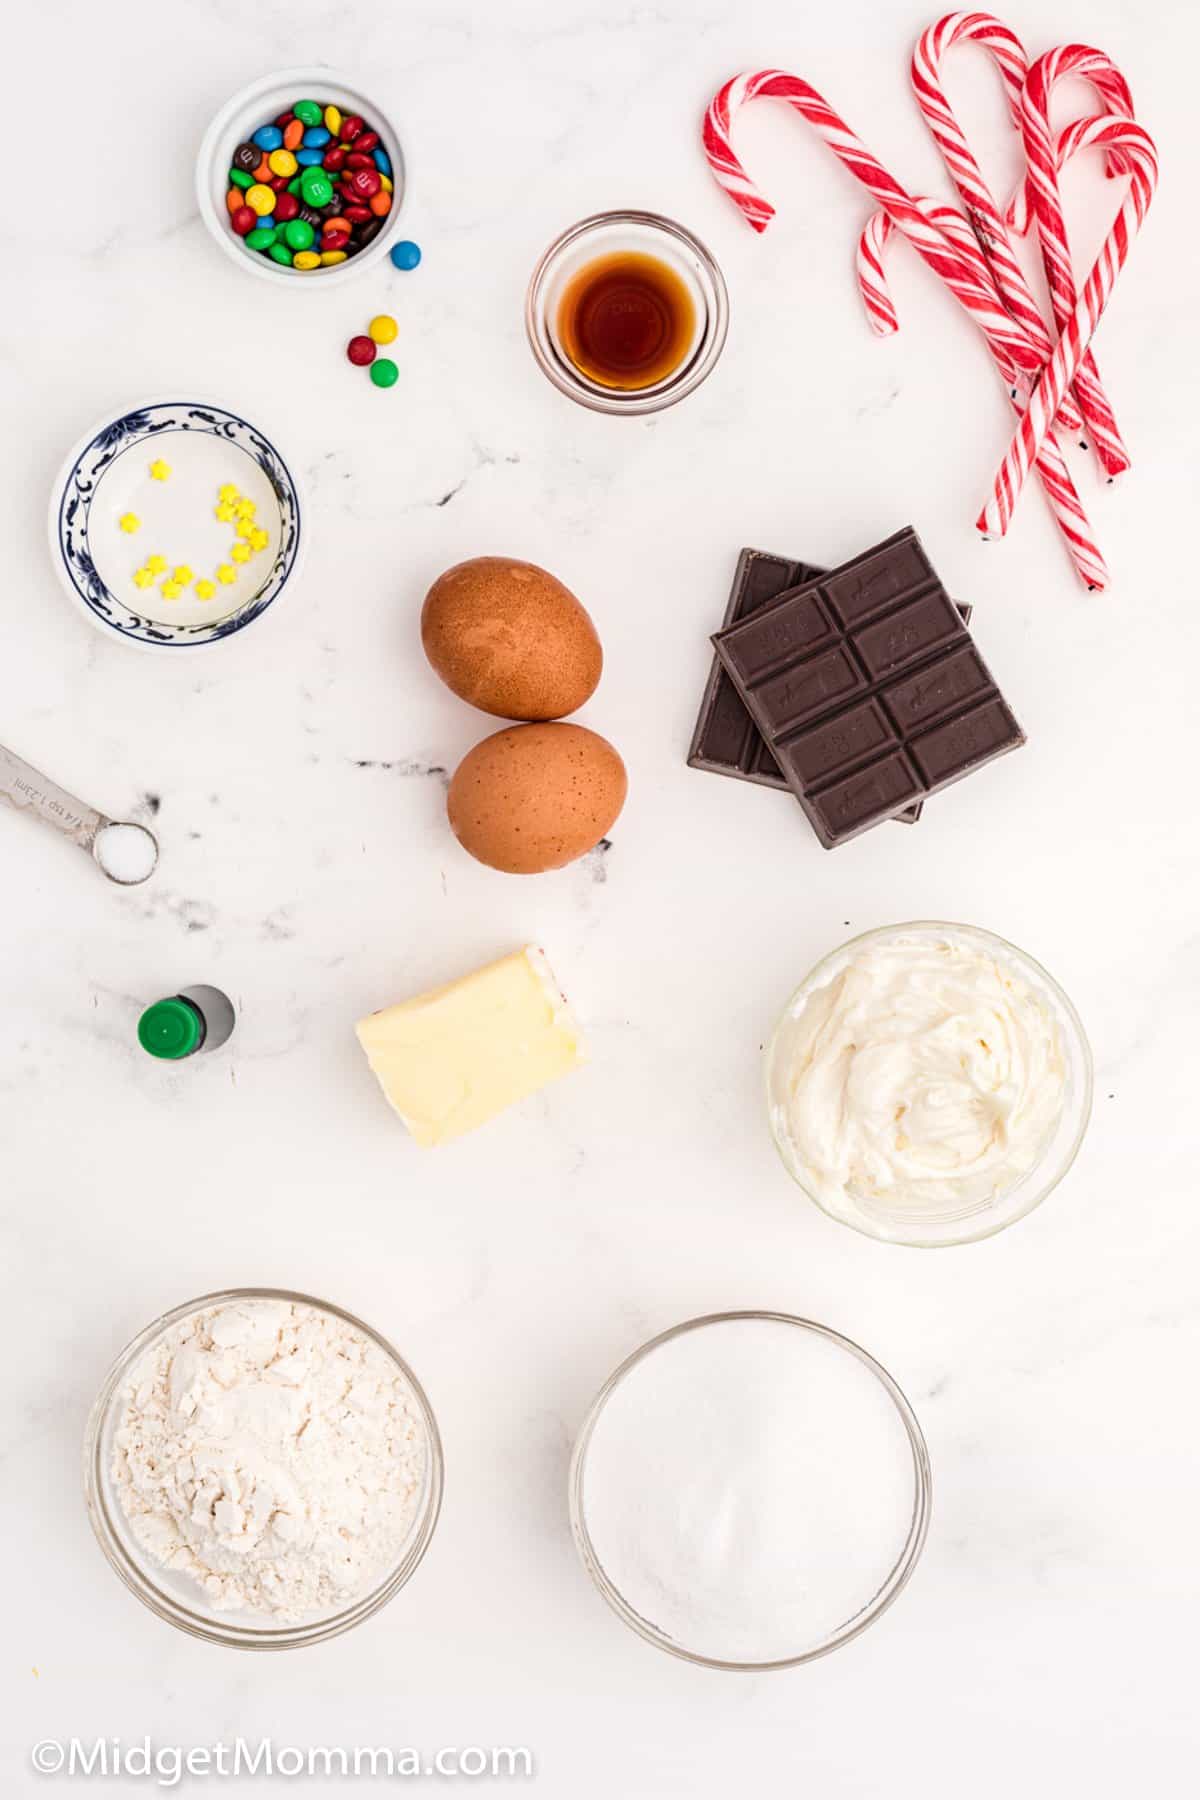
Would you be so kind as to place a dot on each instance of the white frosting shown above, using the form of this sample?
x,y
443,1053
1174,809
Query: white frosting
x,y
927,1074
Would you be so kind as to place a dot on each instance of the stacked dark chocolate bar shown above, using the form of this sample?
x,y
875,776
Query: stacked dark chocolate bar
x,y
857,688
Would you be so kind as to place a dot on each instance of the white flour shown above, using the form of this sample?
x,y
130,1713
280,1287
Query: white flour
x,y
274,1454
748,1488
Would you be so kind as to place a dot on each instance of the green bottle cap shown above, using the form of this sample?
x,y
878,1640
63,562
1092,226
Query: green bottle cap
x,y
171,1029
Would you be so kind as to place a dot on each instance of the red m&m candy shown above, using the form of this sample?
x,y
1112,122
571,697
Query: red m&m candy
x,y
243,220
361,351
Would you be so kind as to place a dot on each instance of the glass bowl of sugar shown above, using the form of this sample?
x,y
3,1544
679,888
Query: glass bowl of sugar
x,y
262,1469
750,1491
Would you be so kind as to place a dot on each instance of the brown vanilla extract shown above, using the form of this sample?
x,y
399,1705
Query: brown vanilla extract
x,y
626,320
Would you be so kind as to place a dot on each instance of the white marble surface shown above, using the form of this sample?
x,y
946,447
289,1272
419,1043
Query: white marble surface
x,y
297,784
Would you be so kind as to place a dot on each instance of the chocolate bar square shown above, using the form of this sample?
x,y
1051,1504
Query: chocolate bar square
x,y
726,740
867,689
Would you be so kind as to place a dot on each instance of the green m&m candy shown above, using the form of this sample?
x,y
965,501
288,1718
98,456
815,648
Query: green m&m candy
x,y
384,372
261,238
316,189
299,234
281,254
309,112
240,179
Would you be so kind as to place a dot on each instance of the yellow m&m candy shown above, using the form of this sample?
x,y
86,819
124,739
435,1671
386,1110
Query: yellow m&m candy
x,y
382,329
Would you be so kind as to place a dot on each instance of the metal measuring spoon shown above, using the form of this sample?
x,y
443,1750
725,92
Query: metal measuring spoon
x,y
126,853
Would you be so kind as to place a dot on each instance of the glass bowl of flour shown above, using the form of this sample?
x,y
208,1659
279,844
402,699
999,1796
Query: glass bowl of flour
x,y
262,1469
750,1490
928,1084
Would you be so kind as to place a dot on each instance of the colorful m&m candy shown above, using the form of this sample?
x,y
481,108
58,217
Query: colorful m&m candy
x,y
319,165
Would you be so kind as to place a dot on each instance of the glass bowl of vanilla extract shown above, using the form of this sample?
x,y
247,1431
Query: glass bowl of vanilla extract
x,y
627,312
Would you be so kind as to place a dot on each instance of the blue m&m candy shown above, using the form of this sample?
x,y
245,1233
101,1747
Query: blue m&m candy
x,y
316,137
406,255
308,159
383,161
268,137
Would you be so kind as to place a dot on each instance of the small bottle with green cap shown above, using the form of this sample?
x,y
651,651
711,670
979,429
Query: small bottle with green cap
x,y
195,1019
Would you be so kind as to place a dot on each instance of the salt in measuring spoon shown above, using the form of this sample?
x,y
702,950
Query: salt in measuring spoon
x,y
126,853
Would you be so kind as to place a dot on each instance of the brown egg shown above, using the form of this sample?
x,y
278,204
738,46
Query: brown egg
x,y
510,639
534,797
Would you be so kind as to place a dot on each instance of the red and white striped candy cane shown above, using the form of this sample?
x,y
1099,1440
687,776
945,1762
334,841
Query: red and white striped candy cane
x,y
1005,336
1055,476
1061,370
1042,188
929,240
1008,53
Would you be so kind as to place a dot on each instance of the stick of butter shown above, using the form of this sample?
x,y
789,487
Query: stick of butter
x,y
452,1059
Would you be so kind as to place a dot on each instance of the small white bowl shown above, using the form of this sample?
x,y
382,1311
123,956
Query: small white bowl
x,y
107,475
260,104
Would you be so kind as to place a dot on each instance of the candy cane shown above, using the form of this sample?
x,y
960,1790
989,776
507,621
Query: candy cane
x,y
1042,188
929,240
1008,53
1078,329
1006,338
1055,477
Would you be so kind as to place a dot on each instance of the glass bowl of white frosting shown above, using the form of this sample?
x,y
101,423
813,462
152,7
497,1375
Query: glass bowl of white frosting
x,y
750,1490
929,1084
262,1469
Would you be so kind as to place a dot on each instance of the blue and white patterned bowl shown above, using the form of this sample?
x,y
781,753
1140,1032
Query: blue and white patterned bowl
x,y
94,562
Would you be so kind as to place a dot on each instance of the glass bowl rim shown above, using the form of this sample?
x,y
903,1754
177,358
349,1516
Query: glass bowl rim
x,y
1007,949
138,1580
635,402
891,1588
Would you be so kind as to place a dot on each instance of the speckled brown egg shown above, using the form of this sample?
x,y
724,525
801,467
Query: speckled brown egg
x,y
535,797
510,639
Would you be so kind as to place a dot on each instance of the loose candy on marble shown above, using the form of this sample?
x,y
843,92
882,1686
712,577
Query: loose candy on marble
x,y
384,372
406,254
383,329
361,351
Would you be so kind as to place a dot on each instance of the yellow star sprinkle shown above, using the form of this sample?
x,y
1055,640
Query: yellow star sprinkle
x,y
171,590
129,522
224,511
205,589
156,563
143,578
240,553
229,491
226,574
245,509
259,539
160,469
182,574
243,528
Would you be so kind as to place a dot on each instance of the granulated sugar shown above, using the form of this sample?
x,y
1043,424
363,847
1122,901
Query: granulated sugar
x,y
748,1488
